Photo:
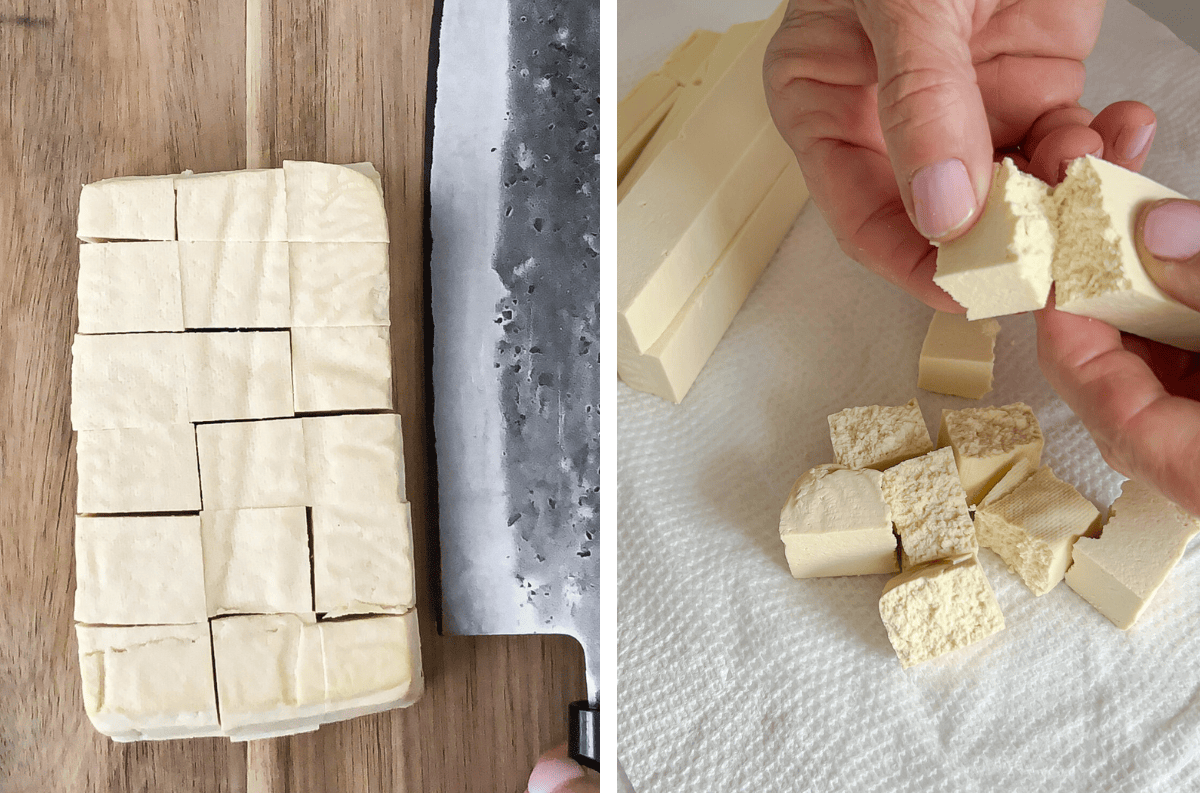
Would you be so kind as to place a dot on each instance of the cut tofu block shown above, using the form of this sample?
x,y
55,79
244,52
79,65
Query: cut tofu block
x,y
987,442
337,369
1097,272
152,682
1139,546
256,561
836,522
128,380
129,287
686,59
672,364
241,206
929,509
937,608
250,464
372,664
957,356
333,203
127,208
355,460
1002,265
339,284
1021,470
362,559
139,571
643,102
235,284
1033,528
239,375
140,469
879,436
629,151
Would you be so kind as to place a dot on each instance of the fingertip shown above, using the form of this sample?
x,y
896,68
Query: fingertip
x,y
1127,129
554,772
1059,147
1167,238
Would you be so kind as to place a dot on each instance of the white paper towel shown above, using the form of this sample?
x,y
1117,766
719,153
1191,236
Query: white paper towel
x,y
734,676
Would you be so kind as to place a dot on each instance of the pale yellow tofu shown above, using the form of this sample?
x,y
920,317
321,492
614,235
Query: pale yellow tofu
x,y
988,441
958,355
339,284
354,459
248,464
239,375
372,664
128,380
336,369
242,206
929,509
333,203
235,284
137,469
129,287
256,561
879,436
128,208
362,559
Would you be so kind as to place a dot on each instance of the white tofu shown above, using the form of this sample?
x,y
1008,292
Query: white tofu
x,y
336,369
139,571
958,355
339,284
988,441
879,436
138,469
129,287
242,206
354,459
128,208
256,561
363,559
128,380
151,682
333,203
239,375
249,464
929,509
235,284
372,664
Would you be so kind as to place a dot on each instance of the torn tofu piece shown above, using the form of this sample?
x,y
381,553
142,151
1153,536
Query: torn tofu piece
x,y
372,664
929,509
1033,528
248,464
836,522
139,571
336,369
334,203
128,380
129,287
355,459
239,375
987,441
235,284
362,559
339,284
138,469
1142,542
151,682
127,208
937,608
241,206
879,436
957,356
256,561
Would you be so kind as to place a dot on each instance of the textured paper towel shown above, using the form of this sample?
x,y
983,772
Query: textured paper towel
x,y
734,676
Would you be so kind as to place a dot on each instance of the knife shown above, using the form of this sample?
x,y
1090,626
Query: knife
x,y
515,290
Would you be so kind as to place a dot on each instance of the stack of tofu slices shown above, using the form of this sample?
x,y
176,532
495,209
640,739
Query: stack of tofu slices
x,y
707,191
244,547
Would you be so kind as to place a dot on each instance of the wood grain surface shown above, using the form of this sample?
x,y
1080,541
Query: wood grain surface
x,y
94,89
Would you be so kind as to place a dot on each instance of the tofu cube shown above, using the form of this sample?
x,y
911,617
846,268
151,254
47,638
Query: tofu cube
x,y
354,459
251,464
256,561
129,287
127,208
235,284
957,356
128,380
240,206
240,375
372,664
987,442
339,284
879,436
139,469
929,509
362,559
333,203
336,369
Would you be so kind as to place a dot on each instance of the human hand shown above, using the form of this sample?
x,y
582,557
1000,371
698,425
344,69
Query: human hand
x,y
555,772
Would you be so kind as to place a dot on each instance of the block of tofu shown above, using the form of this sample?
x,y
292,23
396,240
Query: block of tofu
x,y
128,380
929,509
671,365
339,284
127,208
957,356
372,664
684,61
341,368
1002,265
138,469
146,570
362,559
629,151
333,203
987,441
1097,272
836,522
1022,469
1139,546
129,287
256,561
248,464
151,682
241,206
239,375
879,436
235,284
937,608
1033,528
270,674
643,102
355,459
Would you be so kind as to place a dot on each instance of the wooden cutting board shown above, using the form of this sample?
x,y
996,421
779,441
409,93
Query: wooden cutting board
x,y
91,90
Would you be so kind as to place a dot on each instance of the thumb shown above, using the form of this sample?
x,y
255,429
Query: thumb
x,y
1168,243
931,111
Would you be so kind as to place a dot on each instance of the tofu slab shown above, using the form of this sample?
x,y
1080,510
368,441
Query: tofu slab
x,y
339,284
242,206
139,469
957,356
333,203
336,369
127,208
879,436
929,509
354,459
239,375
362,559
128,380
987,441
249,464
235,284
372,664
129,287
256,561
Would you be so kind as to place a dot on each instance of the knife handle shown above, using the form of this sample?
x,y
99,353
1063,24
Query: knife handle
x,y
583,734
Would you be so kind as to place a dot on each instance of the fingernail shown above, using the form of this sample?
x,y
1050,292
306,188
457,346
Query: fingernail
x,y
943,198
1172,231
1133,141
